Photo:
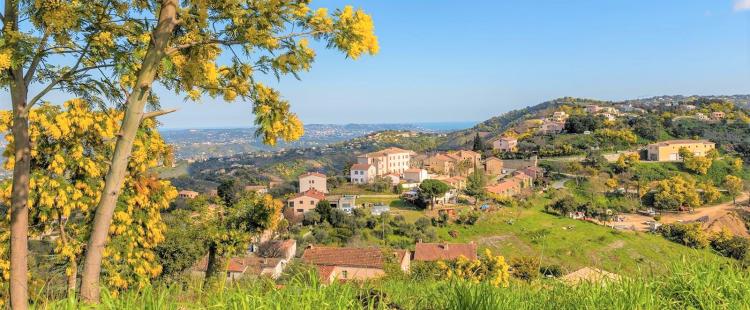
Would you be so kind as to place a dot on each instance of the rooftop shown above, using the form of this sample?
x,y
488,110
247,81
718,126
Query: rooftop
x,y
309,174
444,251
678,142
313,193
370,257
361,167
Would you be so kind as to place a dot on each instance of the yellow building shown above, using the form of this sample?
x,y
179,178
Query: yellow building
x,y
670,150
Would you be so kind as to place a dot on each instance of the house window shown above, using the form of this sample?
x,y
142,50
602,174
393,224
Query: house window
x,y
344,274
312,202
300,210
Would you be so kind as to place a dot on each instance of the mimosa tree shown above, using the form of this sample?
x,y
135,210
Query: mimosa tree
x,y
114,51
70,146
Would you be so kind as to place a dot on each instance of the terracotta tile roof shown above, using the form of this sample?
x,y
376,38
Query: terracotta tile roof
x,y
444,251
441,156
387,151
493,159
413,170
313,193
677,142
324,272
502,187
352,257
252,264
400,254
317,174
361,167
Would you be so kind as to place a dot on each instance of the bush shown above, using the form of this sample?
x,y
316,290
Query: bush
x,y
468,218
425,271
691,235
730,246
489,268
525,268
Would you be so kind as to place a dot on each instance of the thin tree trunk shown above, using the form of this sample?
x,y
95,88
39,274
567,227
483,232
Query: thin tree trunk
x,y
212,265
116,174
19,210
72,277
19,217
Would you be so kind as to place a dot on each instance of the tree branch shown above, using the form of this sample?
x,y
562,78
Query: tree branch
x,y
37,57
174,49
61,77
157,113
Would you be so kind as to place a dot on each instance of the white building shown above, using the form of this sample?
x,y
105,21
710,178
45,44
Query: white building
x,y
313,180
505,144
416,175
362,173
390,160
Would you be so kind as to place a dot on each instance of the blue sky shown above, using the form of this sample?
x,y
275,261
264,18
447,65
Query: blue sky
x,y
469,60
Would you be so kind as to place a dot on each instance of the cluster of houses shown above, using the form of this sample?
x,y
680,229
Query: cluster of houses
x,y
337,263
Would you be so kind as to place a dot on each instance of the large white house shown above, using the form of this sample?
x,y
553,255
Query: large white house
x,y
362,173
415,175
313,180
390,160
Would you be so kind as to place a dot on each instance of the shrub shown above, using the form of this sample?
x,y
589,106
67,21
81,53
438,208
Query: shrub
x,y
423,271
525,268
730,246
489,268
691,235
468,218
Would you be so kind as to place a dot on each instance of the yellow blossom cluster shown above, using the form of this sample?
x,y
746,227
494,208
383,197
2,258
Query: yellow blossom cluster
x,y
70,149
489,268
356,33
273,117
5,59
56,16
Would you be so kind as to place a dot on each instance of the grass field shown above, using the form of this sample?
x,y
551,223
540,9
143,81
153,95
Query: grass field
x,y
685,284
570,243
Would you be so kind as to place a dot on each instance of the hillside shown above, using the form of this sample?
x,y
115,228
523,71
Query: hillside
x,y
495,126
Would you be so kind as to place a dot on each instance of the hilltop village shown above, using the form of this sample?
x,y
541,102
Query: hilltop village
x,y
609,165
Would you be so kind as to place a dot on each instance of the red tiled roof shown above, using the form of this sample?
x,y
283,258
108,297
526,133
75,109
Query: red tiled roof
x,y
241,264
444,251
413,170
502,186
317,174
361,167
493,159
677,142
324,272
400,254
353,257
313,193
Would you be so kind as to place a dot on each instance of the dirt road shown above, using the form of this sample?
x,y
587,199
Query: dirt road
x,y
715,213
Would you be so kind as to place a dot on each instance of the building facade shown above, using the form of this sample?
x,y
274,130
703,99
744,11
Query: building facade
x,y
313,180
304,202
505,144
390,160
362,173
670,150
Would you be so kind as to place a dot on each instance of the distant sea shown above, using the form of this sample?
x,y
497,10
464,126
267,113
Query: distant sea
x,y
446,126
429,126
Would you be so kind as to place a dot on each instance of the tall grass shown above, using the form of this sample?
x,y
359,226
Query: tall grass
x,y
713,284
